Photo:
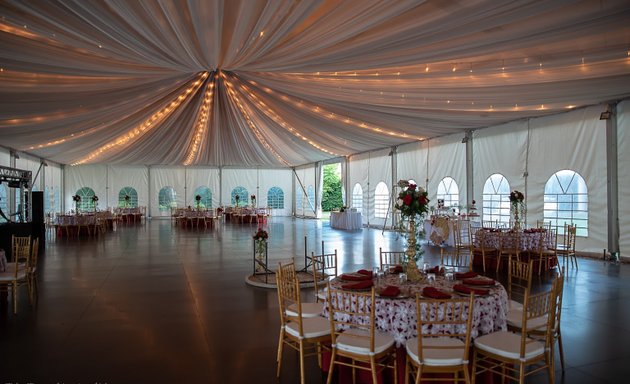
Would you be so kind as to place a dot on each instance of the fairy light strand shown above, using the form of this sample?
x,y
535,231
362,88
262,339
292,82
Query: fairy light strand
x,y
201,124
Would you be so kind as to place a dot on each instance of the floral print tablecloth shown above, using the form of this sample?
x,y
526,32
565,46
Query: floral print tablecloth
x,y
397,316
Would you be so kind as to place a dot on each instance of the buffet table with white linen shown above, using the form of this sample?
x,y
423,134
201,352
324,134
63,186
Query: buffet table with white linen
x,y
346,220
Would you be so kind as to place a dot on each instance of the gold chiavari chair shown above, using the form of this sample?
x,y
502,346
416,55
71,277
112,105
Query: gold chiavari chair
x,y
509,247
481,246
16,273
520,275
459,261
304,334
324,268
447,350
567,248
355,341
390,259
516,355
308,309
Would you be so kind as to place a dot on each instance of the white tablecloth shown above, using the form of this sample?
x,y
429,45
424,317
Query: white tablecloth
x,y
346,220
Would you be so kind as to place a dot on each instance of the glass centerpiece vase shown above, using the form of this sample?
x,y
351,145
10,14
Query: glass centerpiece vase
x,y
412,203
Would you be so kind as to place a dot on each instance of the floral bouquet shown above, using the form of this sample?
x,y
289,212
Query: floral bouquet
x,y
517,201
261,235
198,200
237,198
94,199
76,198
253,199
516,197
412,200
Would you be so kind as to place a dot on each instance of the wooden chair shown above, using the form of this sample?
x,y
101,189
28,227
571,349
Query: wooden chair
x,y
459,261
324,267
509,246
566,249
16,273
390,259
519,284
447,350
557,335
355,341
541,254
480,246
308,309
508,354
304,334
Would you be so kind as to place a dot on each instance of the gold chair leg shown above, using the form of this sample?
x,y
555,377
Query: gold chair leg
x,y
302,362
331,367
561,351
373,367
279,358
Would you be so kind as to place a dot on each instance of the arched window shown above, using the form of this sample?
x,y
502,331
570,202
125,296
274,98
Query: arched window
x,y
206,197
496,199
449,192
243,197
275,198
566,201
381,200
131,201
357,197
167,199
4,202
86,204
311,197
299,198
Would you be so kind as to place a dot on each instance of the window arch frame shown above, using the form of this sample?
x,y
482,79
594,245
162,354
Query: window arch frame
x,y
133,197
497,202
206,197
169,203
357,197
578,212
86,203
449,196
243,196
275,198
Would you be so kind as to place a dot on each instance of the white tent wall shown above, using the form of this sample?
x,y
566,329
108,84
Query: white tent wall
x,y
577,141
412,162
53,185
5,157
380,170
447,157
358,166
623,175
91,176
500,149
232,178
161,177
136,177
32,164
281,178
202,177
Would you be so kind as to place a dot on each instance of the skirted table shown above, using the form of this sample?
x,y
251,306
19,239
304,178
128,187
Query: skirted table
x,y
346,220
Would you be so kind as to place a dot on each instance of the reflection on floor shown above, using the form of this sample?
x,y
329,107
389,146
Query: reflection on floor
x,y
156,304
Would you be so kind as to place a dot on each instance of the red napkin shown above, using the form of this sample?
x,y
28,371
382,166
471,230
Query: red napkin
x,y
478,281
396,269
355,277
435,270
360,285
391,291
465,275
365,272
464,289
434,293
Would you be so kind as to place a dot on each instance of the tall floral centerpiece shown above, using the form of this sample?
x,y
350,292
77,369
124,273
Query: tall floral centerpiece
x,y
253,200
412,203
260,247
77,200
236,199
198,201
127,198
517,206
95,201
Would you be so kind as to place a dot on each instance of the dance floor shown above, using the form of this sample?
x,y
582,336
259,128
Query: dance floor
x,y
153,303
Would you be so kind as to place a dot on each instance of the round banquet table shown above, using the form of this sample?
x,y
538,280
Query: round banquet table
x,y
346,220
397,316
529,239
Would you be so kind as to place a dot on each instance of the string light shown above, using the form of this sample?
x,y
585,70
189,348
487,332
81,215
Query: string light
x,y
150,123
201,124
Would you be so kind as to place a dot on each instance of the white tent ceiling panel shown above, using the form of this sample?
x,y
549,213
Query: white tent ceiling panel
x,y
501,149
136,177
623,159
447,157
576,141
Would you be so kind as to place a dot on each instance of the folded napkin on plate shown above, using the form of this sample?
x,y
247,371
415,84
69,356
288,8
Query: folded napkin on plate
x,y
483,281
360,285
465,275
435,270
464,289
396,269
434,293
391,291
364,272
355,277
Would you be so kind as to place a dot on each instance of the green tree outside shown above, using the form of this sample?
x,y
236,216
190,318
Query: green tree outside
x,y
331,195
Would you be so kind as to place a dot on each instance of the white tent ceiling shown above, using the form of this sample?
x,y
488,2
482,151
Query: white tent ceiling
x,y
283,83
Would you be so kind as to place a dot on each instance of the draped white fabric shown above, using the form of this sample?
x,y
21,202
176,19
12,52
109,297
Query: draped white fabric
x,y
623,159
284,83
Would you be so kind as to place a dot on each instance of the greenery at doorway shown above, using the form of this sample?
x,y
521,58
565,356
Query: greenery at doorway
x,y
332,196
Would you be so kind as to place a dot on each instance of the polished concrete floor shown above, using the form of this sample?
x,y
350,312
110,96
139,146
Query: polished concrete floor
x,y
152,303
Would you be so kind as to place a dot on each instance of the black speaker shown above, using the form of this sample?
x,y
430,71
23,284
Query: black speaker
x,y
37,207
